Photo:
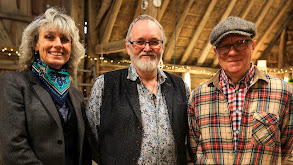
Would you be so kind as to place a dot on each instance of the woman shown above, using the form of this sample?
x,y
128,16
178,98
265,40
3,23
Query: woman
x,y
41,119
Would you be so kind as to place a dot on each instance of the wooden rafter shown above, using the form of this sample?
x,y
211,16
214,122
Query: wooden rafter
x,y
275,39
20,18
110,47
103,9
282,49
264,12
110,23
5,39
208,46
171,44
198,31
137,10
261,44
163,9
247,9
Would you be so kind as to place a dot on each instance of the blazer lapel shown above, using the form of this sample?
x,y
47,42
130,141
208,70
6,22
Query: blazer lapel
x,y
76,102
45,98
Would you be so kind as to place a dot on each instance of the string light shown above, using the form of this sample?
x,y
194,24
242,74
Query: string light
x,y
9,51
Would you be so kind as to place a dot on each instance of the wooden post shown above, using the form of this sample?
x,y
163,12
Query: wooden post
x,y
282,49
77,13
77,10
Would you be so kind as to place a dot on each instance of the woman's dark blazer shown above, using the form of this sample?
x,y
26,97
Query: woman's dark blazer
x,y
30,126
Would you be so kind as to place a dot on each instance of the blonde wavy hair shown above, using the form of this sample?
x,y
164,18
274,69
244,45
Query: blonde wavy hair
x,y
53,18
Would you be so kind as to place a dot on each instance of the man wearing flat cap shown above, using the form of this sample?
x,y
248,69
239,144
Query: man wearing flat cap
x,y
241,115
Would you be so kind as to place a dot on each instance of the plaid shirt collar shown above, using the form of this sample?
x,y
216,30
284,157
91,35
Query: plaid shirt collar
x,y
215,80
132,74
246,80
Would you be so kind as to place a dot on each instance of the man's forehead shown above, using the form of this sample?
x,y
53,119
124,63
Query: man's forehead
x,y
143,27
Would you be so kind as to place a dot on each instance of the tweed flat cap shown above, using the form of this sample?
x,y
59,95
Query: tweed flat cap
x,y
232,25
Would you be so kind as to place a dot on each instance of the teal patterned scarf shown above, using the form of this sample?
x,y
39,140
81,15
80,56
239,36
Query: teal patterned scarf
x,y
56,82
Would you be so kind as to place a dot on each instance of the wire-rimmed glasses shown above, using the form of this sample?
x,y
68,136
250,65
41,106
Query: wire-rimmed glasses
x,y
152,44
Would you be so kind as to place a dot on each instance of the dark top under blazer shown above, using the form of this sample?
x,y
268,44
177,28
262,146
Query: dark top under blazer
x,y
120,132
30,126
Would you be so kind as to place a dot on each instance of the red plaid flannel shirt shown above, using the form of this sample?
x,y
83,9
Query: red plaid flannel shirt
x,y
235,95
266,128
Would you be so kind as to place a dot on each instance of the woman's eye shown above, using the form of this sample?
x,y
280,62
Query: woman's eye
x,y
64,39
50,37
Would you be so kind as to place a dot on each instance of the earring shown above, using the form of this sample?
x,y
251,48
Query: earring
x,y
36,52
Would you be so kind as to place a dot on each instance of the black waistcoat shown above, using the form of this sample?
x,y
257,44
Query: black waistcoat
x,y
120,132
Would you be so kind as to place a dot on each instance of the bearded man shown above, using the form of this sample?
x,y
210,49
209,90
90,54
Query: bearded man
x,y
138,115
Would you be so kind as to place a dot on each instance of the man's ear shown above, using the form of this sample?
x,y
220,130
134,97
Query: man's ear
x,y
127,47
215,50
253,44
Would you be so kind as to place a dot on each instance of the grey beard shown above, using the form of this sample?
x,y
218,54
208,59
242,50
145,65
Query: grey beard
x,y
147,66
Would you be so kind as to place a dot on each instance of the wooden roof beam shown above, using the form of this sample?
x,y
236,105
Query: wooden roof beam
x,y
264,12
110,23
282,49
137,10
171,44
20,18
103,9
257,51
208,47
5,39
198,31
247,9
163,9
275,39
110,47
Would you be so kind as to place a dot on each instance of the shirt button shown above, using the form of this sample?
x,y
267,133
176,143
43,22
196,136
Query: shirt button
x,y
237,132
139,126
137,143
231,153
236,91
60,142
133,160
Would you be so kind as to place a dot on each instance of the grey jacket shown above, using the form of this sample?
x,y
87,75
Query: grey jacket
x,y
30,126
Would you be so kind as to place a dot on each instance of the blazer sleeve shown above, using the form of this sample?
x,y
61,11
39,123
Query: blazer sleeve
x,y
14,142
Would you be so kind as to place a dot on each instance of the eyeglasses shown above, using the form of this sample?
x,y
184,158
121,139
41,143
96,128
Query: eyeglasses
x,y
238,45
142,44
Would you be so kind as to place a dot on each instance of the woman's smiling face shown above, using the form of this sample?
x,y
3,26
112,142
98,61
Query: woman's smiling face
x,y
54,47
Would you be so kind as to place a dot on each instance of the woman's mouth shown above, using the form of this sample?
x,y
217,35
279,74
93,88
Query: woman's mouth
x,y
56,53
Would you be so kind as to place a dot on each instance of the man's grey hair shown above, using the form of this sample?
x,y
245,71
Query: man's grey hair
x,y
145,17
53,18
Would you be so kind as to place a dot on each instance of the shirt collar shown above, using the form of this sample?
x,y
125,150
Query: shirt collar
x,y
246,79
133,76
215,80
